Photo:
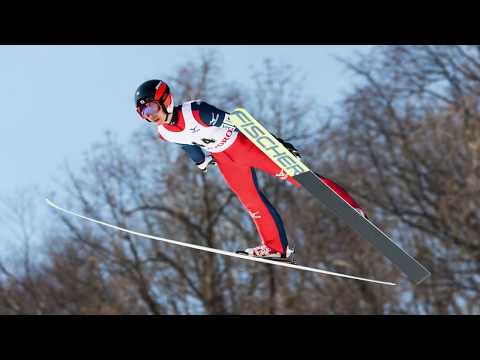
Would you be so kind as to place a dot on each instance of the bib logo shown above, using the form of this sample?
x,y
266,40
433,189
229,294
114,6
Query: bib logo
x,y
255,214
228,135
227,124
282,175
194,129
214,120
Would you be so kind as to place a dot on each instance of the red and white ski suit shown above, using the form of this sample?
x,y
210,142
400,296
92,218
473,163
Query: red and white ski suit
x,y
198,125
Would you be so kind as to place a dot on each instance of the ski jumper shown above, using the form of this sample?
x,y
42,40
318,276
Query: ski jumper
x,y
198,126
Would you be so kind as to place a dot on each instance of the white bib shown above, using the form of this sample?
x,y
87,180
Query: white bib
x,y
211,138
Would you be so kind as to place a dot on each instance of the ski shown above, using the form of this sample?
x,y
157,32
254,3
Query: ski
x,y
294,167
217,251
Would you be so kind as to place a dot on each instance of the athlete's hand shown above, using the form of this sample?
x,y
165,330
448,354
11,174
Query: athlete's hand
x,y
289,147
204,165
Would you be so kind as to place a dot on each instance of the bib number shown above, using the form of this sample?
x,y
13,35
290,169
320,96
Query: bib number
x,y
205,141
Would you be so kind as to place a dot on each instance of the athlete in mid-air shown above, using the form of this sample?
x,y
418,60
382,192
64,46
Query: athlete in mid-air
x,y
197,127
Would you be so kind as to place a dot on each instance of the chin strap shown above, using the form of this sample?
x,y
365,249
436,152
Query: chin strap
x,y
171,121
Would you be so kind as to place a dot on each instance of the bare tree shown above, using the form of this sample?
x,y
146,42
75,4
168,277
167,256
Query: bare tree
x,y
381,148
410,130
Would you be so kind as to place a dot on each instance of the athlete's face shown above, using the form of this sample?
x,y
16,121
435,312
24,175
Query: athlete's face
x,y
153,112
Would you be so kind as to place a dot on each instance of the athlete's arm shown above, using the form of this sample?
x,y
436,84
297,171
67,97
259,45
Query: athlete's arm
x,y
195,152
288,146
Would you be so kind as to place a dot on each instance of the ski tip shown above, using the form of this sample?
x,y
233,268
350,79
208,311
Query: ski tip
x,y
51,204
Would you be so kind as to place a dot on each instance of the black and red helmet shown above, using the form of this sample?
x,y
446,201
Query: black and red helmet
x,y
154,90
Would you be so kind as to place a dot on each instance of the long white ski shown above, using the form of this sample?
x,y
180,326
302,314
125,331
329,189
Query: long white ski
x,y
262,138
216,251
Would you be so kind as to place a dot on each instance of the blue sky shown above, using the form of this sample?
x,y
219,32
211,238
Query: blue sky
x,y
56,101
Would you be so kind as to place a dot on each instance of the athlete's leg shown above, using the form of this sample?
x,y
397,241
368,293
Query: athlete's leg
x,y
342,193
243,182
244,152
256,158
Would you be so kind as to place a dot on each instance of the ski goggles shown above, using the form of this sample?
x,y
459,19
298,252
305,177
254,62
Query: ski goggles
x,y
149,109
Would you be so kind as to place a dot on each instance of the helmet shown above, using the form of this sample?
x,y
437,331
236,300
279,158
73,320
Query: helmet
x,y
154,90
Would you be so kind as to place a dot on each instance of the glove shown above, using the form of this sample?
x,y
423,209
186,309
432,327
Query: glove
x,y
289,147
204,164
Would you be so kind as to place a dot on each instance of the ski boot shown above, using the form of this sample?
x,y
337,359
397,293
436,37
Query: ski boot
x,y
264,252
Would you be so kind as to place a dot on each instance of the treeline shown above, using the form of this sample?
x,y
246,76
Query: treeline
x,y
405,141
